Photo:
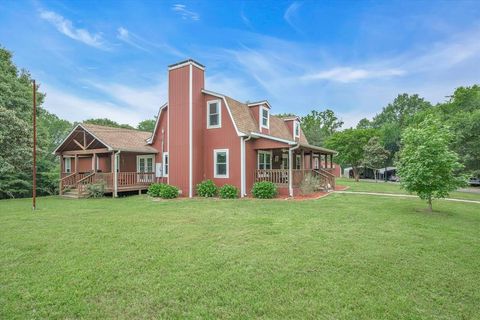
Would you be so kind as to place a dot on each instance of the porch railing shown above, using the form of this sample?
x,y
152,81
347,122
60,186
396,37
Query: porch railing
x,y
80,181
280,177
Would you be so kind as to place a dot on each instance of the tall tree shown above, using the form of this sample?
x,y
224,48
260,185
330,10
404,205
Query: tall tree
x,y
426,165
349,144
401,110
108,123
374,155
319,125
146,125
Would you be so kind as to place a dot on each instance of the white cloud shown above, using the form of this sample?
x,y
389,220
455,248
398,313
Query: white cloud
x,y
66,27
348,74
125,36
290,14
186,14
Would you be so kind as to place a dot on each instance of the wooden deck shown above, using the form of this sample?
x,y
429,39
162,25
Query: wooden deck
x,y
280,177
77,183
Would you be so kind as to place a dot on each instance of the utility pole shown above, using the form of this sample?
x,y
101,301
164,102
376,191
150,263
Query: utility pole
x,y
34,176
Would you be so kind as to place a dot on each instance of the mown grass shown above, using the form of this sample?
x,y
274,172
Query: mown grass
x,y
340,257
391,187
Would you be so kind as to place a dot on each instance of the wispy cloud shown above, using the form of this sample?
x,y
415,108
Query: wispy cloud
x,y
290,14
66,27
130,38
348,74
186,14
141,43
245,19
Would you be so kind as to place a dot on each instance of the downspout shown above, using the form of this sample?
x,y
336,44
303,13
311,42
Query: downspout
x,y
115,174
290,183
243,184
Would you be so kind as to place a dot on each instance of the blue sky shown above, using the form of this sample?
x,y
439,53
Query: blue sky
x,y
110,58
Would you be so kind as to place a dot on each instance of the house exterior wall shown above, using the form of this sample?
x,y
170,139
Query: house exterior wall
x,y
221,138
160,140
199,115
84,164
104,163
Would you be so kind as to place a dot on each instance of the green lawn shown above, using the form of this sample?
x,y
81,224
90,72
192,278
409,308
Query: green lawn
x,y
339,257
390,187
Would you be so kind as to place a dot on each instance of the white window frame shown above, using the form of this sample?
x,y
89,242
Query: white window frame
x,y
69,165
146,156
298,161
258,158
316,163
165,164
219,104
215,174
296,126
260,117
117,162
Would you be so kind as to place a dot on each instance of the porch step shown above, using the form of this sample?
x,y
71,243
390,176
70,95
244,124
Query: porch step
x,y
73,194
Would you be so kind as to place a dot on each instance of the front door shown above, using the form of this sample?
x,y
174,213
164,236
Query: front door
x,y
145,172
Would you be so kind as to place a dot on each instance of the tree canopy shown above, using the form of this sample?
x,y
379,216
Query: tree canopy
x,y
426,164
319,125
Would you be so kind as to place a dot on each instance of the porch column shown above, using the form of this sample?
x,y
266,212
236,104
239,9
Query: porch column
x,y
113,169
311,159
290,183
115,174
62,164
303,159
94,162
76,162
331,161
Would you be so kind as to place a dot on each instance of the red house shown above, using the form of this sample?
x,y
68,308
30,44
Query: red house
x,y
198,135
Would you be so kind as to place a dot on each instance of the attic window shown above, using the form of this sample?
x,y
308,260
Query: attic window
x,y
214,114
297,129
264,118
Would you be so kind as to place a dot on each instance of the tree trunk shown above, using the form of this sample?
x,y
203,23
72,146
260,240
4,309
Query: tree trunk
x,y
356,175
430,204
375,174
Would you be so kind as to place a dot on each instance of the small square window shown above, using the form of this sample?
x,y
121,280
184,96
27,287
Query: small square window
x,y
214,114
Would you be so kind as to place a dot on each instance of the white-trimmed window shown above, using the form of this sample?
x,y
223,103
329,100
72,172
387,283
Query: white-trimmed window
x,y
67,165
298,161
214,114
315,163
264,160
264,117
296,129
284,160
220,163
145,163
165,164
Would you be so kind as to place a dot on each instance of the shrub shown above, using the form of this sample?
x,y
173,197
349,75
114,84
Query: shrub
x,y
309,184
154,190
96,190
168,192
228,192
264,190
207,188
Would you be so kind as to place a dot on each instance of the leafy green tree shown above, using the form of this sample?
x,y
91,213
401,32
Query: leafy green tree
x,y
319,125
364,124
401,110
147,125
374,155
349,144
426,165
108,123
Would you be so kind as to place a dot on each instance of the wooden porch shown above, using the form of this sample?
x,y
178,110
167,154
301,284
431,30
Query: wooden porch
x,y
289,167
280,177
75,184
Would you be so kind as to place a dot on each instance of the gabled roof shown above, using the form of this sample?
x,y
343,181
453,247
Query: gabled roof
x,y
115,139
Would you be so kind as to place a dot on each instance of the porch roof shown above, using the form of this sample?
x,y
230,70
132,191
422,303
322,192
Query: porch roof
x,y
114,139
318,149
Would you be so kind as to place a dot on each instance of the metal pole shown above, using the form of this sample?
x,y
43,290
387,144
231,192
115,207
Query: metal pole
x,y
34,191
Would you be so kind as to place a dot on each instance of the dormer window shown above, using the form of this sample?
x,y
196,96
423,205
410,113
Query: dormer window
x,y
296,132
264,118
214,114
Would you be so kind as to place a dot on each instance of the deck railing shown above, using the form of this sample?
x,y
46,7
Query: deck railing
x,y
80,181
280,177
